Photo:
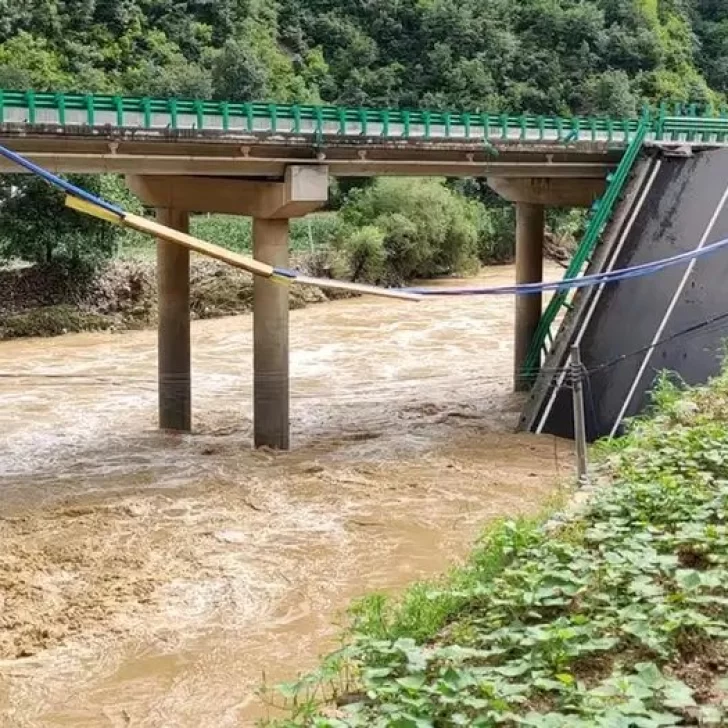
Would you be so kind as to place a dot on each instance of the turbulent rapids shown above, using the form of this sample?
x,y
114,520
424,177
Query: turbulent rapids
x,y
154,580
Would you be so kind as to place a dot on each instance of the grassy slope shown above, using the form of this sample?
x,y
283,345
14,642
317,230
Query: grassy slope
x,y
619,618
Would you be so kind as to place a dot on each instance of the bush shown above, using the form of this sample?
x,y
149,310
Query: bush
x,y
37,227
567,225
366,254
496,234
232,232
236,233
427,229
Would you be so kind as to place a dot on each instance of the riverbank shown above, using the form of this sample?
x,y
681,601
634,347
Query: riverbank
x,y
51,300
55,300
618,616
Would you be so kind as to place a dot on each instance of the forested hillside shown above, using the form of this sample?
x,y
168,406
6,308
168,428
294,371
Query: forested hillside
x,y
544,56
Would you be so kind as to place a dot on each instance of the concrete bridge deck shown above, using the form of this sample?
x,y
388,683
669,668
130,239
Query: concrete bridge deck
x,y
235,154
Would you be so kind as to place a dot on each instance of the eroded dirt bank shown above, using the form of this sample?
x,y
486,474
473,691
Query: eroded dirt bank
x,y
151,580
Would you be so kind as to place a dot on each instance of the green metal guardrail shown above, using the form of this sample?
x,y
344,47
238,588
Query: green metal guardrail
x,y
601,214
679,124
146,113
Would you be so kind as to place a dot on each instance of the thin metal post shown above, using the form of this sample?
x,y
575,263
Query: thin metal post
x,y
579,419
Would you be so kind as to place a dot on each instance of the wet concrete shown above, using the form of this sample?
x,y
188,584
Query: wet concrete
x,y
154,580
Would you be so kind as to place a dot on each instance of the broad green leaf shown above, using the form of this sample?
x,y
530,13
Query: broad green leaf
x,y
650,674
411,682
513,670
678,695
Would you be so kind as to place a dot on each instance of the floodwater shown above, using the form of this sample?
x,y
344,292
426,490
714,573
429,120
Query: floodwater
x,y
158,580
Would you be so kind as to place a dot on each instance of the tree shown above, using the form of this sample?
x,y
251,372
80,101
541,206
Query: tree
x,y
36,226
31,60
237,75
608,94
428,229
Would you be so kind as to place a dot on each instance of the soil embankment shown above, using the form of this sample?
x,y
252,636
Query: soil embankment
x,y
50,300
53,300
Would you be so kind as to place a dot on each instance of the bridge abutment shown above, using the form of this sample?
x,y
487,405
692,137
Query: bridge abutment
x,y
174,359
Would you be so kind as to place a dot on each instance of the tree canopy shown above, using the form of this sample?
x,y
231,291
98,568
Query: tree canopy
x,y
541,56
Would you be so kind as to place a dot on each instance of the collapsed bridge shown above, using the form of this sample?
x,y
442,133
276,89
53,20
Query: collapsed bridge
x,y
649,182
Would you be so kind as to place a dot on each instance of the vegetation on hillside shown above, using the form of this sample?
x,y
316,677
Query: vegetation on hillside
x,y
543,56
615,617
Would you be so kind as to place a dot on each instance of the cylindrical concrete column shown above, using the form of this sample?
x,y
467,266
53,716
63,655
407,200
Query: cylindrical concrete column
x,y
270,339
173,281
529,269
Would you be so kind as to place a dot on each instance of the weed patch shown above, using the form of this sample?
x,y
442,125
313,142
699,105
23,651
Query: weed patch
x,y
617,618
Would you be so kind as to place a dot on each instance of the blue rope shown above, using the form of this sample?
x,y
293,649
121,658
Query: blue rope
x,y
56,181
637,271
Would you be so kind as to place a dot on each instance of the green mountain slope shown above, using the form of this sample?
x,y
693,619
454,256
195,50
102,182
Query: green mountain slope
x,y
543,56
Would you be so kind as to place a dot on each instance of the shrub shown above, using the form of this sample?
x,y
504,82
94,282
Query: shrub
x,y
366,253
37,227
496,234
427,229
232,232
236,233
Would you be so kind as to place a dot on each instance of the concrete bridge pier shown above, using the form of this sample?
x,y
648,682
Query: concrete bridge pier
x,y
271,205
531,197
530,221
270,338
173,283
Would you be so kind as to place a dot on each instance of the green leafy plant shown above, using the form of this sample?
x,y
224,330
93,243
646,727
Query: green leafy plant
x,y
617,618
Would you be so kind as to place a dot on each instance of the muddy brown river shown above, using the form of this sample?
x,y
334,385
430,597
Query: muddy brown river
x,y
157,580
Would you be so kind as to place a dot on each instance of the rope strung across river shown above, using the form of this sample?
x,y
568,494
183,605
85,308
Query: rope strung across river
x,y
525,289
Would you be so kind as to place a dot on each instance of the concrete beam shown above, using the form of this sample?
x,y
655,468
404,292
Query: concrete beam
x,y
303,190
173,279
530,221
270,339
250,167
551,192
